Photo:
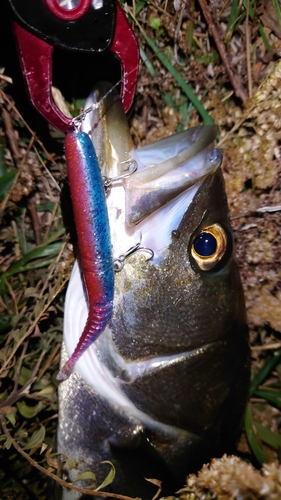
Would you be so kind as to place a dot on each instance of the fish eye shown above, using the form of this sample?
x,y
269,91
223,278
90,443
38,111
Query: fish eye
x,y
209,246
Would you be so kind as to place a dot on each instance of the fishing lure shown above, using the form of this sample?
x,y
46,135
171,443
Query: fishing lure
x,y
92,226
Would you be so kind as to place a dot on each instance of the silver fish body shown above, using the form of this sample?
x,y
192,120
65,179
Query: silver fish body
x,y
163,389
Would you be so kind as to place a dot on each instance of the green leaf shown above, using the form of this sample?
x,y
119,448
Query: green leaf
x,y
35,441
265,371
264,39
4,394
208,58
277,11
269,395
71,464
6,181
47,393
7,443
25,375
267,436
39,252
31,292
29,411
148,63
155,23
39,307
11,415
233,17
47,207
110,476
85,476
249,6
253,438
139,6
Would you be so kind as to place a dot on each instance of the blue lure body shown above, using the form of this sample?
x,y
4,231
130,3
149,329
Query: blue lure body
x,y
92,226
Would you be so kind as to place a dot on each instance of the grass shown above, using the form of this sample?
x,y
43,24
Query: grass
x,y
32,281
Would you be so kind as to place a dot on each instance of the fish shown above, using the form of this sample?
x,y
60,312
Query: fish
x,y
163,387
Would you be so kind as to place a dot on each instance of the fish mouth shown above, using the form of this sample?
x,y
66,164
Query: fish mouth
x,y
168,168
167,177
128,372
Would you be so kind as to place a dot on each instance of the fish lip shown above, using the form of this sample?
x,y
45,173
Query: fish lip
x,y
173,151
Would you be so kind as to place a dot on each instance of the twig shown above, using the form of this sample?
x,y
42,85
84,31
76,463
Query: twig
x,y
157,483
35,220
11,292
264,347
158,8
262,210
14,108
43,163
18,369
49,361
248,53
17,394
274,208
11,135
31,328
234,80
53,267
19,165
63,483
5,78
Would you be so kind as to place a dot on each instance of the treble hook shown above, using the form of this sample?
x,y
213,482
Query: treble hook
x,y
118,263
107,181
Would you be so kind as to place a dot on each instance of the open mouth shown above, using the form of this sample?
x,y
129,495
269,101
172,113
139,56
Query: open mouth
x,y
151,199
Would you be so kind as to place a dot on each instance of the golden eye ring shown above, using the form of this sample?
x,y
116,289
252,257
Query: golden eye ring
x,y
209,247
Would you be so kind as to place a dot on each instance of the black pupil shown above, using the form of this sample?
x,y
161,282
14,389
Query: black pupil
x,y
205,244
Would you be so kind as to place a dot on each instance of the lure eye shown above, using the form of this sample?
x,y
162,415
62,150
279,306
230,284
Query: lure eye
x,y
209,247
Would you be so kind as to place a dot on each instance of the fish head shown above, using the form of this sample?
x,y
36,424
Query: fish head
x,y
153,185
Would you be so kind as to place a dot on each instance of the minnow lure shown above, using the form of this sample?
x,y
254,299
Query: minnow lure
x,y
92,226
